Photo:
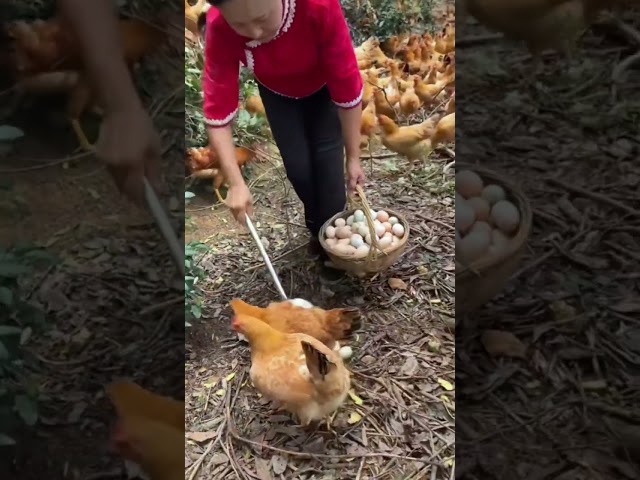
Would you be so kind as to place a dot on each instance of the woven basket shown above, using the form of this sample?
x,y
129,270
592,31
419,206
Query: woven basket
x,y
480,281
376,261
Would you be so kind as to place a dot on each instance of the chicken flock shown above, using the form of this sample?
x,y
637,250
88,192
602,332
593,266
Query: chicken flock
x,y
43,57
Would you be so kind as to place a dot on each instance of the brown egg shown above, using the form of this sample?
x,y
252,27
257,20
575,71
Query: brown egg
x,y
481,208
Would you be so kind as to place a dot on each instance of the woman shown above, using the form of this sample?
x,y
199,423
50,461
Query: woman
x,y
128,142
301,54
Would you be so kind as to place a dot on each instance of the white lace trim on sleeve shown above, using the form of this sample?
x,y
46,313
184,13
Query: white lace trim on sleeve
x,y
221,123
353,102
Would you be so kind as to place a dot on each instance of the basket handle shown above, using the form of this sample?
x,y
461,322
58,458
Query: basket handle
x,y
360,197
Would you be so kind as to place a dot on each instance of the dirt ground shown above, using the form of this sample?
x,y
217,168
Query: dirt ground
x,y
568,407
113,304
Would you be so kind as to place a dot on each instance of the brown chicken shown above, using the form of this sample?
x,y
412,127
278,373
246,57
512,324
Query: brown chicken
x,y
429,93
149,430
445,131
192,15
203,163
382,105
295,370
410,103
541,24
254,106
413,142
327,326
46,58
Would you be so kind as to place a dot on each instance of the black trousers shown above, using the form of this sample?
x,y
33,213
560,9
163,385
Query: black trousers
x,y
308,134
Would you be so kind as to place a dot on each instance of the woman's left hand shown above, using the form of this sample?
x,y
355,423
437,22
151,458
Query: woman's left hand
x,y
355,173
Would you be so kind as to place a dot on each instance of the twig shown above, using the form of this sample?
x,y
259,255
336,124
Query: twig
x,y
160,306
596,196
51,163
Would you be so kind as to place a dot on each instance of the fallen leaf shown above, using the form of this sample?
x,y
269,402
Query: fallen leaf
x,y
220,392
230,377
356,399
445,384
278,464
410,367
397,284
354,418
500,343
200,436
262,469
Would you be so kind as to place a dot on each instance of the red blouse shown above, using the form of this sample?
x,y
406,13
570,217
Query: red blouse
x,y
311,49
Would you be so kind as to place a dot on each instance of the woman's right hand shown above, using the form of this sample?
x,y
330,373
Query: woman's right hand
x,y
240,202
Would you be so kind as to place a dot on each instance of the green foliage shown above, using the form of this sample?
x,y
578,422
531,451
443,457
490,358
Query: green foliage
x,y
18,320
193,298
383,18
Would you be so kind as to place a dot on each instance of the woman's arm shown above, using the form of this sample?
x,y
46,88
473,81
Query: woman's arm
x,y
96,25
351,119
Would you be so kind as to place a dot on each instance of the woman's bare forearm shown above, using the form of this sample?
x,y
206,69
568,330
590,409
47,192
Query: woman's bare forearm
x,y
96,25
221,139
350,120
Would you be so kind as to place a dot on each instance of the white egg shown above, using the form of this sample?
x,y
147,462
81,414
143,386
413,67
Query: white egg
x,y
374,214
384,242
340,222
393,220
473,246
398,230
465,216
482,226
344,250
331,242
380,229
367,238
468,183
493,194
362,251
331,232
363,230
344,241
357,240
355,226
358,215
350,220
346,352
505,216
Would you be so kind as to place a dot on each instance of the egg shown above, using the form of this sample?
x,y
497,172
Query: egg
x,y
465,216
355,226
358,215
387,226
384,242
499,244
469,184
398,230
343,232
393,220
340,222
331,242
374,214
387,234
362,251
482,226
481,208
473,246
350,220
367,238
345,250
382,216
493,194
357,240
363,230
380,229
505,216
344,241
331,232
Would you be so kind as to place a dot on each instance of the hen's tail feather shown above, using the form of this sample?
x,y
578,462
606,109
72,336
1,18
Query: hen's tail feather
x,y
344,322
317,362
